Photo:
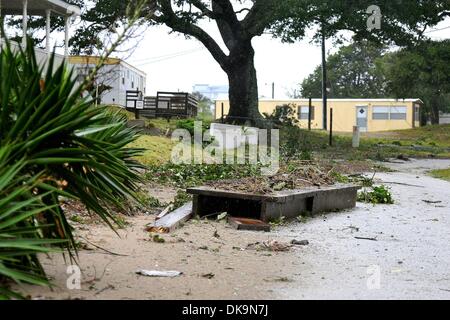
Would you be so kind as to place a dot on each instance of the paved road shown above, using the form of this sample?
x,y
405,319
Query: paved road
x,y
411,253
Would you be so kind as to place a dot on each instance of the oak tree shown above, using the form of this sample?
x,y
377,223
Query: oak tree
x,y
240,21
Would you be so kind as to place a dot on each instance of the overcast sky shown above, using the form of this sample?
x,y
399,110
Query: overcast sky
x,y
173,62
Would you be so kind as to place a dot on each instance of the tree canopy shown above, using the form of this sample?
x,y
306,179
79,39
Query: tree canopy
x,y
421,72
366,70
352,73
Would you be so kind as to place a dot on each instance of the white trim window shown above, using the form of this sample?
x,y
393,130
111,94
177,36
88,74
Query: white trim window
x,y
389,112
398,113
303,113
380,113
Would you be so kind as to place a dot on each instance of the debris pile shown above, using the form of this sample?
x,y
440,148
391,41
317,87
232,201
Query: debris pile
x,y
290,178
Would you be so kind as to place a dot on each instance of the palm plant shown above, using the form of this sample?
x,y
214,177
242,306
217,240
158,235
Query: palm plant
x,y
20,232
65,148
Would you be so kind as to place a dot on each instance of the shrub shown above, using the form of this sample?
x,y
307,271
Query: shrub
x,y
181,199
53,143
282,116
378,195
188,124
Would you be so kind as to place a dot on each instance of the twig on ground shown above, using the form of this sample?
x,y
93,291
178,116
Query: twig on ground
x,y
364,238
103,249
404,184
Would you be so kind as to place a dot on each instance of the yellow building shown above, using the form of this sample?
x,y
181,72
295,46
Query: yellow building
x,y
369,114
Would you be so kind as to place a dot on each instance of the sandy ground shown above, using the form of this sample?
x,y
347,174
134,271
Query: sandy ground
x,y
411,253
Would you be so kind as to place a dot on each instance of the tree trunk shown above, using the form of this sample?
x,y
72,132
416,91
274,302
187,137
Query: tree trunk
x,y
243,83
434,108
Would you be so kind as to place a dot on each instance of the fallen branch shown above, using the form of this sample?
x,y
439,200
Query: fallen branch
x,y
405,184
364,238
103,249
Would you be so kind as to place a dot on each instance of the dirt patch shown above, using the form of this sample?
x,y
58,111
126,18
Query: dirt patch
x,y
77,213
213,257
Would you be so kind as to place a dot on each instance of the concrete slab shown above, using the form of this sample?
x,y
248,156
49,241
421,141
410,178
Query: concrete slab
x,y
267,207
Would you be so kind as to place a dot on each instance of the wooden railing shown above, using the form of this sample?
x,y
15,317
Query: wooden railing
x,y
164,105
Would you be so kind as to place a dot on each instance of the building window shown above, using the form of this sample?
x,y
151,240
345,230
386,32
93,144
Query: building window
x,y
389,113
303,113
123,81
380,113
398,113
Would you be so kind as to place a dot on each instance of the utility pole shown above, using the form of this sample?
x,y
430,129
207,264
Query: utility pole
x,y
309,114
273,90
324,81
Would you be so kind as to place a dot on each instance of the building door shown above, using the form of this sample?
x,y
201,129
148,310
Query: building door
x,y
361,117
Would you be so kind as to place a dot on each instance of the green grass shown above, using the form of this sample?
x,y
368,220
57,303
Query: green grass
x,y
157,149
375,146
122,111
162,124
438,136
425,142
441,174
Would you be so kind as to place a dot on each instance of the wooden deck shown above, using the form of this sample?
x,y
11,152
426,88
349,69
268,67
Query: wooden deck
x,y
164,105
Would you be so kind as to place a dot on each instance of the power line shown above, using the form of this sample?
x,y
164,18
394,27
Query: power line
x,y
167,56
440,29
171,57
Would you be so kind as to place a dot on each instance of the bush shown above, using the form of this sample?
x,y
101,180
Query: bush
x,y
181,199
282,116
378,195
188,124
296,143
53,144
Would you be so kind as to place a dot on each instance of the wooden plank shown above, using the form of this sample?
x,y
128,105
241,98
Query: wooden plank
x,y
172,220
164,212
248,224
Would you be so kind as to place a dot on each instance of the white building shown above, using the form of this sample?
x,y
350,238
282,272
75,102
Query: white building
x,y
212,92
114,79
444,118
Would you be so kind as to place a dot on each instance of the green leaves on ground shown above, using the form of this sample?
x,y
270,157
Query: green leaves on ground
x,y
183,176
378,195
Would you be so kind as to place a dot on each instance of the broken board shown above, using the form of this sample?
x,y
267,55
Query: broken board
x,y
165,212
248,224
172,220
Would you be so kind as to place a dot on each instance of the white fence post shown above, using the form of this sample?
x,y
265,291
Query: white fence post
x,y
356,137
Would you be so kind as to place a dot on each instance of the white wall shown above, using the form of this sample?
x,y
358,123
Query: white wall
x,y
121,78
